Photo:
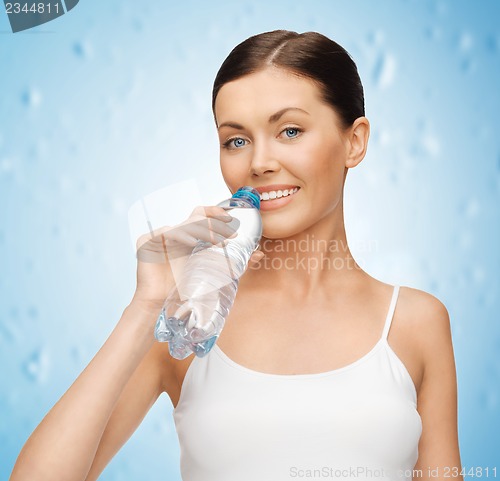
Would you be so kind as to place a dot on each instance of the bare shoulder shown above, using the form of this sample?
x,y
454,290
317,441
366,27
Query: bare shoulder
x,y
428,320
425,309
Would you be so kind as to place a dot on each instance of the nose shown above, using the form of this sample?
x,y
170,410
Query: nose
x,y
263,161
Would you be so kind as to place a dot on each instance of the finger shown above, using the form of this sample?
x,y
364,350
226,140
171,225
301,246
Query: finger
x,y
256,257
153,235
202,228
206,230
202,232
217,218
211,211
182,236
223,228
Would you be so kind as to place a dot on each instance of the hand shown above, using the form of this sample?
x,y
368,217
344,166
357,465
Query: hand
x,y
162,254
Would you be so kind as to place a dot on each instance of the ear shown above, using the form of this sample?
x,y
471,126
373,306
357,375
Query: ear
x,y
357,141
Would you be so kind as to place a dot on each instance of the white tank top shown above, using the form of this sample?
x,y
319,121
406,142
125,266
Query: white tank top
x,y
356,422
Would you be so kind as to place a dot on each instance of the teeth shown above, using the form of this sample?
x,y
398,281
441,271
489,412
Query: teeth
x,y
276,194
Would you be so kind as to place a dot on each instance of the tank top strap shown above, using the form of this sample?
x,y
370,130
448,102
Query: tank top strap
x,y
390,313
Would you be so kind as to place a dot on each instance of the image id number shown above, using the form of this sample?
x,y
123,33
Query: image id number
x,y
34,7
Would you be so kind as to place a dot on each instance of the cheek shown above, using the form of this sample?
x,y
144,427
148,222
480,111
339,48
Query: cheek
x,y
318,161
232,172
331,162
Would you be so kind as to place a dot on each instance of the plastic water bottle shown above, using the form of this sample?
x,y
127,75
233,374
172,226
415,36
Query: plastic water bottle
x,y
196,308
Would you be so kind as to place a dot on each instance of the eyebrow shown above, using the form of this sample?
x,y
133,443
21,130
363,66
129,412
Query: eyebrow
x,y
274,118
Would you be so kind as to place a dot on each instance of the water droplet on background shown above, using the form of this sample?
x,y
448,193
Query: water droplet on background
x,y
433,33
431,145
488,399
468,65
36,367
478,275
382,137
394,177
80,250
425,145
29,265
469,208
5,165
65,183
83,50
137,25
465,240
78,354
9,331
440,8
33,312
465,42
14,313
492,43
384,71
473,208
55,230
375,38
31,97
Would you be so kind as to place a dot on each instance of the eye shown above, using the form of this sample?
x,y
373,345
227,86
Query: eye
x,y
292,132
236,142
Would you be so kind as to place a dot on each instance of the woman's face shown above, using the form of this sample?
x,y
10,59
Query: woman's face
x,y
274,129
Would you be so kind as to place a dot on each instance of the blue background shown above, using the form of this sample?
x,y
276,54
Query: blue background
x,y
112,101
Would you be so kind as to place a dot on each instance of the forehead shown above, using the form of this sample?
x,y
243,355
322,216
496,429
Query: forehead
x,y
266,91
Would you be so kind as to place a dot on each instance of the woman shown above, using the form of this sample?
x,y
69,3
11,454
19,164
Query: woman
x,y
321,370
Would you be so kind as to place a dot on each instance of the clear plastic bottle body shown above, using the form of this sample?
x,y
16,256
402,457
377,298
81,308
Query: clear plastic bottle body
x,y
196,308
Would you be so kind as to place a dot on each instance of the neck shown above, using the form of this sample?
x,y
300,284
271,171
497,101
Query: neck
x,y
314,260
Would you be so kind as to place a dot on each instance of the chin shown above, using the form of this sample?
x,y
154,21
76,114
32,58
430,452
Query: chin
x,y
279,231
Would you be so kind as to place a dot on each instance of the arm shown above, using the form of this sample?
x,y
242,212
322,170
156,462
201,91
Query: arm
x,y
102,408
109,399
437,398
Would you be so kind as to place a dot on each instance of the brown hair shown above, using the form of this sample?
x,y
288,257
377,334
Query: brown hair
x,y
310,55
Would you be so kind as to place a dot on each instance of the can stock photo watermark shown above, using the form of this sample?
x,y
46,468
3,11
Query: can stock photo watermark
x,y
344,472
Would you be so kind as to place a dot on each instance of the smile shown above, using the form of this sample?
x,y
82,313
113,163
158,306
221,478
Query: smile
x,y
276,194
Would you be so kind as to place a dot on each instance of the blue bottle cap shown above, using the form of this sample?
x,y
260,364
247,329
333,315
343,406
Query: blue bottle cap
x,y
249,194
